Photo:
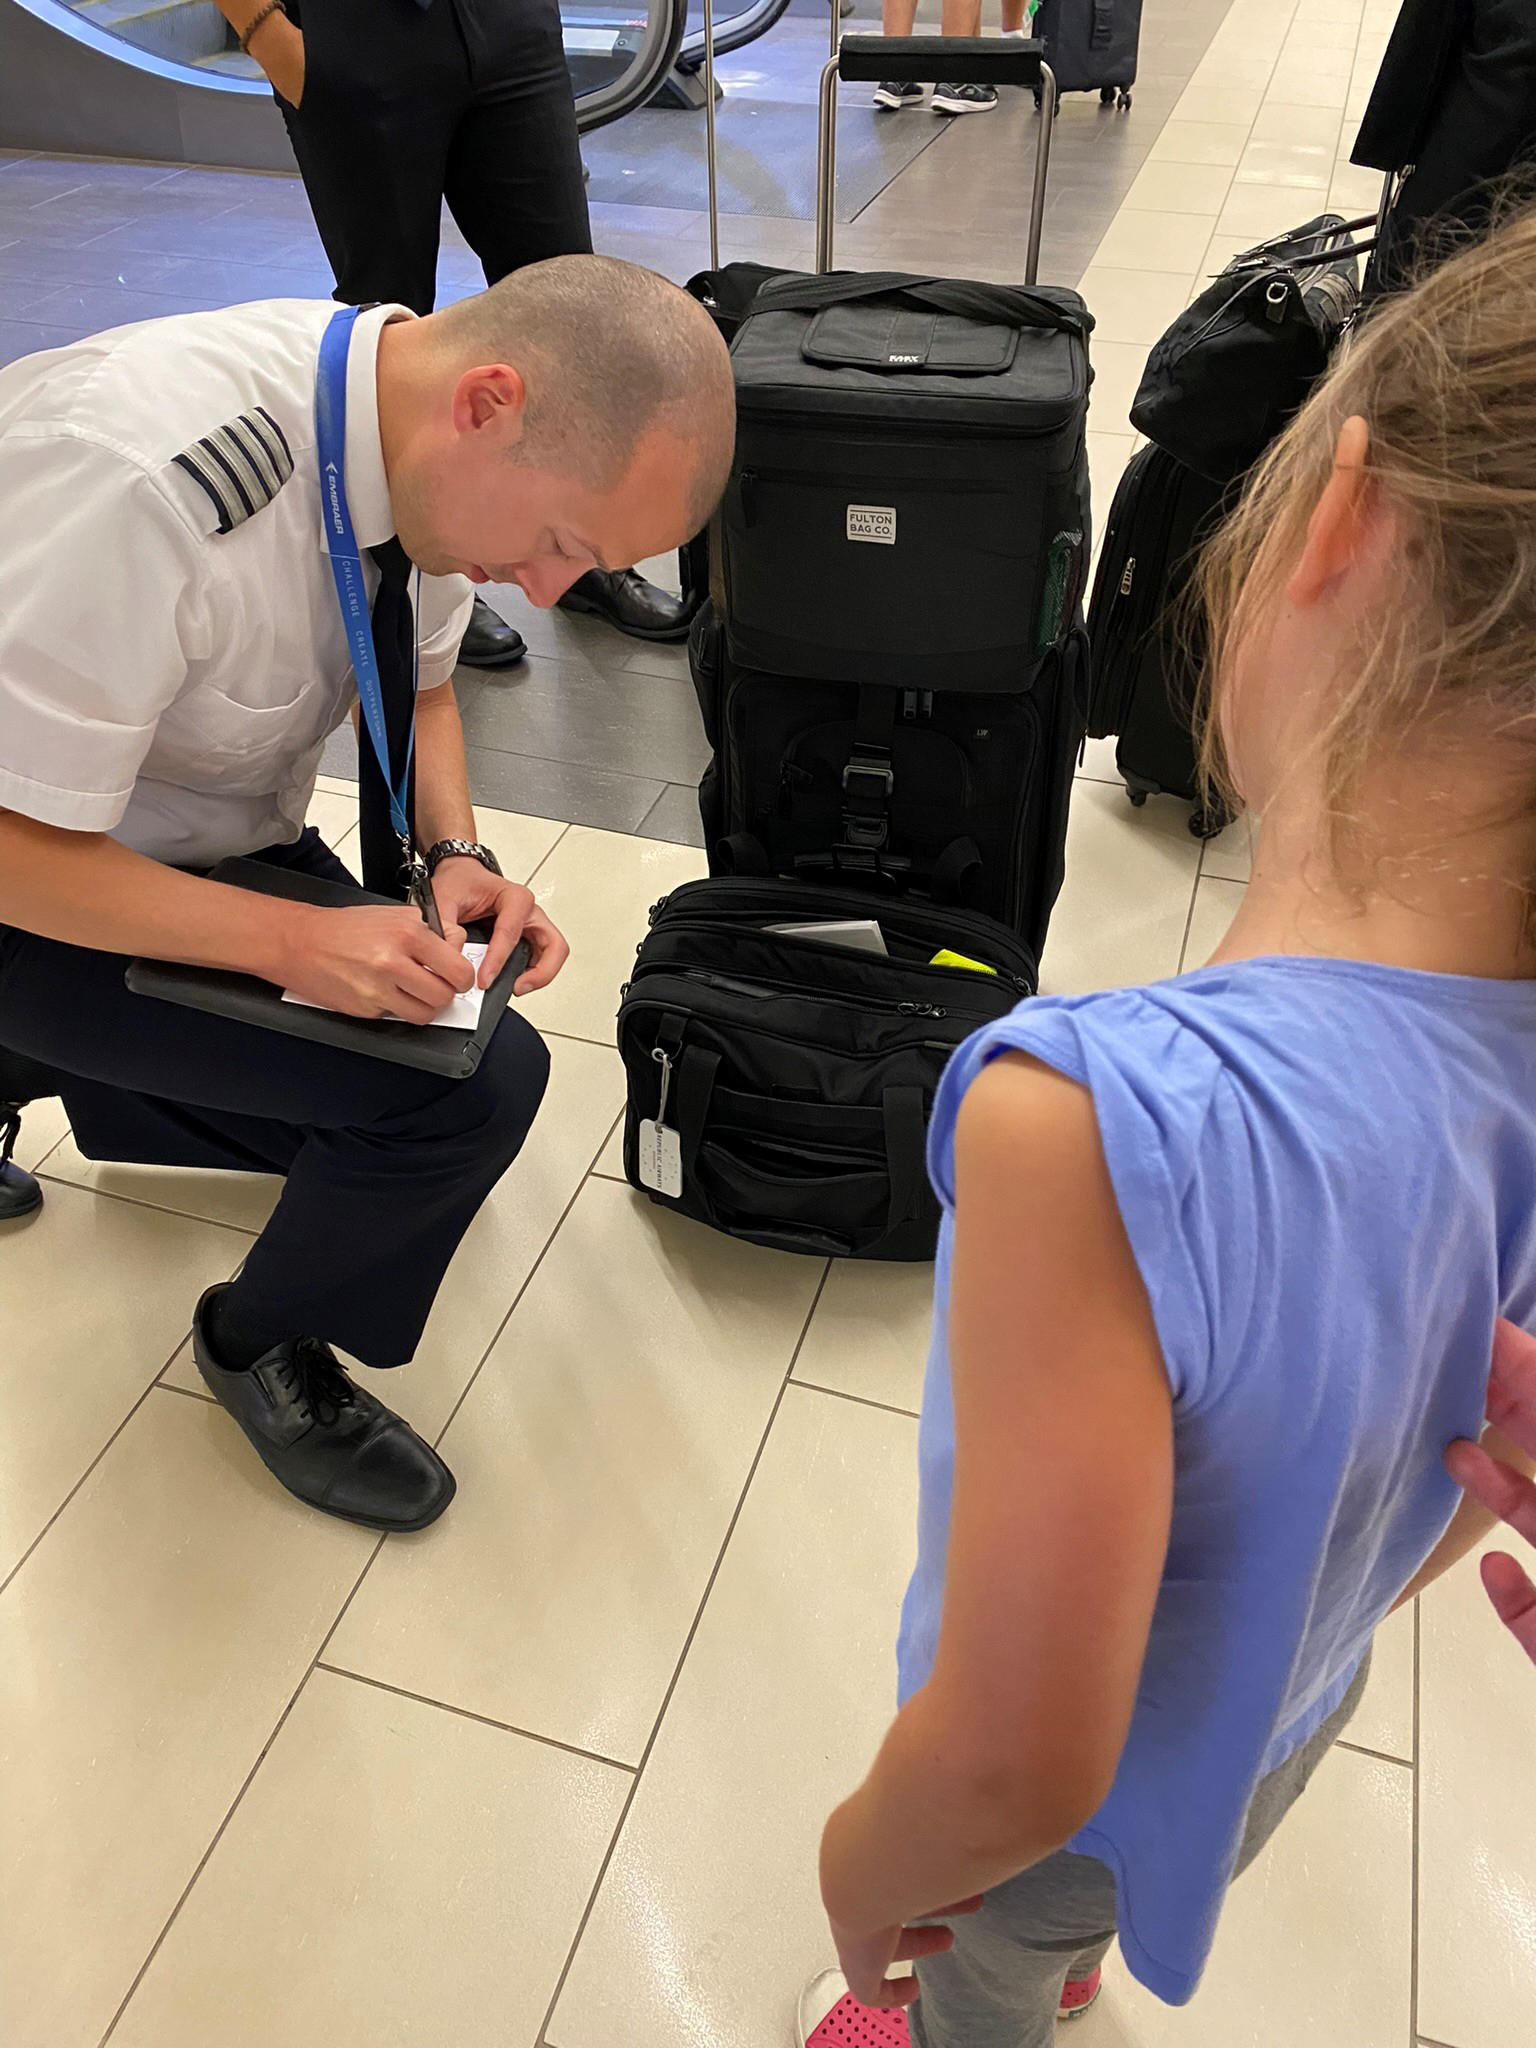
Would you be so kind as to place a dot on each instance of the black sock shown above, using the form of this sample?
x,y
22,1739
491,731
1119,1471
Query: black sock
x,y
236,1341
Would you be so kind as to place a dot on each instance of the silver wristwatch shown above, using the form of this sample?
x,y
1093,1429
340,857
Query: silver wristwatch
x,y
467,849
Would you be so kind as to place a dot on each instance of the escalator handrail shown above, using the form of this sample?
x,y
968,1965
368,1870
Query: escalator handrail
x,y
665,27
753,21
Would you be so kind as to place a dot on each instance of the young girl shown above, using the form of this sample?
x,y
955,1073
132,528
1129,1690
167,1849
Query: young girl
x,y
1223,1256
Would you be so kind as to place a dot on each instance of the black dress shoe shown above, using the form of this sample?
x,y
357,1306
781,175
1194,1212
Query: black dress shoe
x,y
641,609
20,1194
22,1080
489,642
326,1439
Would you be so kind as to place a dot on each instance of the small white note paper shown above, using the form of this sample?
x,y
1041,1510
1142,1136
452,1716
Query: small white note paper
x,y
460,1013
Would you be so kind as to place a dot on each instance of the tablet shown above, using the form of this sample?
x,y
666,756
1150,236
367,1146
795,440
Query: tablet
x,y
250,1000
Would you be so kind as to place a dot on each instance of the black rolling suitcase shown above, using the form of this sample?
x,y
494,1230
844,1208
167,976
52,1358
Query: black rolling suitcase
x,y
1092,45
780,1086
894,682
1145,672
1218,387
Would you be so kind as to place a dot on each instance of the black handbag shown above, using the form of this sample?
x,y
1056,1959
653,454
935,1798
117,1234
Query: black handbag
x,y
793,1080
1234,366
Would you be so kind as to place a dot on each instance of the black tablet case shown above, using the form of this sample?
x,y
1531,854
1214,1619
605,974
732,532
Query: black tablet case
x,y
253,1001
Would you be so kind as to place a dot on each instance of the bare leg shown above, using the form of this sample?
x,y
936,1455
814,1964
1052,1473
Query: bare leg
x,y
899,17
960,17
1013,17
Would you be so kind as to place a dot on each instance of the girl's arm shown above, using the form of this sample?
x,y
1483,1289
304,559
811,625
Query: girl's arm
x,y
1062,1499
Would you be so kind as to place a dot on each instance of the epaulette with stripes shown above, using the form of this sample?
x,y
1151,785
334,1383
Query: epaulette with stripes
x,y
241,465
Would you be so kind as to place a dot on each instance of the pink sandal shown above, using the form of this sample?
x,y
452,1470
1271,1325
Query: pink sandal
x,y
831,2017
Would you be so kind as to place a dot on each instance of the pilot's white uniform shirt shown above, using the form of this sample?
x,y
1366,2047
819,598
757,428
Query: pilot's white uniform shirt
x,y
171,650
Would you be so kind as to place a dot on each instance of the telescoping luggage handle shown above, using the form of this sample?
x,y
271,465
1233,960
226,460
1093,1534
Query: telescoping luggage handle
x,y
921,60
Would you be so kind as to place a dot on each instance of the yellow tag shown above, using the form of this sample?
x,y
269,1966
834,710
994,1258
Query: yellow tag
x,y
948,959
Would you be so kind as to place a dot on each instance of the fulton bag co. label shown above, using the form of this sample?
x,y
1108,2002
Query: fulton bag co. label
x,y
873,522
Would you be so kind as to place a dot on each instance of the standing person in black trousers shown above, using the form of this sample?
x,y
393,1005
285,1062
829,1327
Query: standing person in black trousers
x,y
394,106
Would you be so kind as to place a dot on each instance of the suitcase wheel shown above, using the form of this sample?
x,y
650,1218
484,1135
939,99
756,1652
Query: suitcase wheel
x,y
1205,822
1138,797
1038,98
1115,95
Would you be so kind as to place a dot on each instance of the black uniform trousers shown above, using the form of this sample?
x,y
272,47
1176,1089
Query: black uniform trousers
x,y
385,1165
404,106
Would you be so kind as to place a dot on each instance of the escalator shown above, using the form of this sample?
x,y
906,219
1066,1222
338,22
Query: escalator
x,y
163,80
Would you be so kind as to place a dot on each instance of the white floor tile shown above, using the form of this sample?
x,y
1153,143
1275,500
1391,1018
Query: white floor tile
x,y
610,1161
1131,305
1283,122
1259,211
1299,85
1121,914
1155,241
1229,856
708,1923
1384,1718
244,1200
1354,190
1107,456
1226,105
43,1124
870,1333
520,843
600,1456
599,888
333,813
501,1246
1316,1939
1298,166
97,1295
1167,187
445,1866
147,1650
1117,373
1098,762
1216,904
1200,142
1477,1820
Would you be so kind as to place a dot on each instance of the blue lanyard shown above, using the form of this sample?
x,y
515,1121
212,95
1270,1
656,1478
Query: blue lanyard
x,y
346,564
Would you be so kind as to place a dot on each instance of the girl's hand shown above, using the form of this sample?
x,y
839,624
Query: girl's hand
x,y
865,1958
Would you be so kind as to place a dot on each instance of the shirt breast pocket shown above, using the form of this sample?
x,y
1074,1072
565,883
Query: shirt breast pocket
x,y
211,741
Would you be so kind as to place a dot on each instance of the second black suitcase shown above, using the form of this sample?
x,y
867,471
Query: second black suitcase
x,y
955,796
1092,45
1145,672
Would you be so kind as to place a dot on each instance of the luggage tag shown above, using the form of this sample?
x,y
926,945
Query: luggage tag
x,y
660,1149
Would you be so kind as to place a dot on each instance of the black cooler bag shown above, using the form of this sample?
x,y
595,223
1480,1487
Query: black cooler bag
x,y
909,501
794,1079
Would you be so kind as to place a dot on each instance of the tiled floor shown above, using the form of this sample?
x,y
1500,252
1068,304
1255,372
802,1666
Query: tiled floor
x,y
551,1772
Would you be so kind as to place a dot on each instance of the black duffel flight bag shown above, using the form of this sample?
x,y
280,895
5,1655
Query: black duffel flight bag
x,y
779,1086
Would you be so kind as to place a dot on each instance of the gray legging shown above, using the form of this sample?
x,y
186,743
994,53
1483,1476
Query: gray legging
x,y
1000,1985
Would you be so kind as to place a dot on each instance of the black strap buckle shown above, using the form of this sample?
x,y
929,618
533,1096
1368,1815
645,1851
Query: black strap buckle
x,y
868,786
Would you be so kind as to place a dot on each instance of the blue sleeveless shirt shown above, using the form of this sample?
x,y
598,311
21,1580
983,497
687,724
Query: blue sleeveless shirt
x,y
1327,1173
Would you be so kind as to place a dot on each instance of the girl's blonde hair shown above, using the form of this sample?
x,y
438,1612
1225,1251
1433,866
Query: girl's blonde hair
x,y
1445,378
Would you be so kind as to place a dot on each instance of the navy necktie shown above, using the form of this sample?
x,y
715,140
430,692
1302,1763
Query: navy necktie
x,y
394,641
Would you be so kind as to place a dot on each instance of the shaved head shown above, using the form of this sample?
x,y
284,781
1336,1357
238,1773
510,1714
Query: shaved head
x,y
609,354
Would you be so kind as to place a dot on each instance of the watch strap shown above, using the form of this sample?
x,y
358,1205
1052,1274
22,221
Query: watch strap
x,y
461,849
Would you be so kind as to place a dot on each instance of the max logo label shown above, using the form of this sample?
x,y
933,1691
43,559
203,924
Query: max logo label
x,y
873,522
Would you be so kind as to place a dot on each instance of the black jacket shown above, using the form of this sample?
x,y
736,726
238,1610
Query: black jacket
x,y
1454,105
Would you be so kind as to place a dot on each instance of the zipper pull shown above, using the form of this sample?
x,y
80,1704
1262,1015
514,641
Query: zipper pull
x,y
746,491
921,1010
1128,576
